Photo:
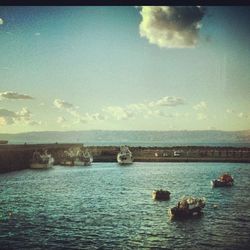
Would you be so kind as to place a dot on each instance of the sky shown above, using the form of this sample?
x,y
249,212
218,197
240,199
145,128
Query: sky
x,y
124,68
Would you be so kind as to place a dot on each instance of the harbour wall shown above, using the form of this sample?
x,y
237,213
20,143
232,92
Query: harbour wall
x,y
17,157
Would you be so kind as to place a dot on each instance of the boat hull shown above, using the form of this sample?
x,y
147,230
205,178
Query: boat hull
x,y
123,160
41,165
82,163
67,163
218,183
161,195
179,213
85,162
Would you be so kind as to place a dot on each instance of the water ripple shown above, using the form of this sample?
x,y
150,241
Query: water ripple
x,y
110,207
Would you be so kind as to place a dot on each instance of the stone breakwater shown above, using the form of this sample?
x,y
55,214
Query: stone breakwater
x,y
17,157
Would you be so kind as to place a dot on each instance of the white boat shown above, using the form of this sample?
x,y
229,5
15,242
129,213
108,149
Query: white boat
x,y
125,156
41,161
83,158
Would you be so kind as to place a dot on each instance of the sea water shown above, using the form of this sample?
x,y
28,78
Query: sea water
x,y
107,206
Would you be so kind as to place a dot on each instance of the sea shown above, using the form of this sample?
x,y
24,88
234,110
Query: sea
x,y
108,206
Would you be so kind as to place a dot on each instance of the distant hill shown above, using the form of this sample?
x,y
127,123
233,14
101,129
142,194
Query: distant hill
x,y
136,138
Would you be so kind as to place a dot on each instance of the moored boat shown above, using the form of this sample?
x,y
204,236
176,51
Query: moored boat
x,y
41,161
125,156
83,158
161,195
77,156
225,180
187,207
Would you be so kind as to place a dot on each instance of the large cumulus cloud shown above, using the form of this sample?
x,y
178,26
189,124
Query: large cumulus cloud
x,y
8,117
171,26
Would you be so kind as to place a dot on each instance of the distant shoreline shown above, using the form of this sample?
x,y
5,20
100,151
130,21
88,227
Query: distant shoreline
x,y
17,157
136,138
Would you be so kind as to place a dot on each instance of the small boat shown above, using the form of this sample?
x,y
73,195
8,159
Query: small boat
x,y
161,195
125,156
187,207
67,158
41,161
225,180
83,158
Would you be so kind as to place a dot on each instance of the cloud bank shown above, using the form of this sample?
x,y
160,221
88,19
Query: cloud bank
x,y
72,110
119,113
8,117
146,109
15,95
171,26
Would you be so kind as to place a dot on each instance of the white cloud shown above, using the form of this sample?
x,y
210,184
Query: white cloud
x,y
242,115
171,26
7,113
137,107
24,113
61,120
200,106
2,121
74,113
61,104
80,120
235,113
14,95
25,116
201,116
169,101
119,113
94,117
230,111
8,117
1,21
72,110
160,113
146,109
37,34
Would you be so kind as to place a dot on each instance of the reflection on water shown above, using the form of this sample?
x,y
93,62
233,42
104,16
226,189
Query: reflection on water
x,y
107,206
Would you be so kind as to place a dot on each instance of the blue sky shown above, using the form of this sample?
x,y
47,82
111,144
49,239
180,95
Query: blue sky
x,y
124,68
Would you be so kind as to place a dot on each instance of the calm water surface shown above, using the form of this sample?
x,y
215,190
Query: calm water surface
x,y
107,206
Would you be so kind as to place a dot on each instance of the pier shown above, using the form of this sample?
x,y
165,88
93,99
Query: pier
x,y
17,157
